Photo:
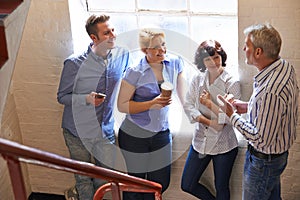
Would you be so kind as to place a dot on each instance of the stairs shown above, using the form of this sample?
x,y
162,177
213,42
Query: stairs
x,y
43,196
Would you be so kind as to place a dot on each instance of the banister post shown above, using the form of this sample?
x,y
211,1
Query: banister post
x,y
115,190
16,178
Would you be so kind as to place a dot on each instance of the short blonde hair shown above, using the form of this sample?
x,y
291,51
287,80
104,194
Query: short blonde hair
x,y
147,34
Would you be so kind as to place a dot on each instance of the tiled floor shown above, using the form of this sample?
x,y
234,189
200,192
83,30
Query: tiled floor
x,y
42,196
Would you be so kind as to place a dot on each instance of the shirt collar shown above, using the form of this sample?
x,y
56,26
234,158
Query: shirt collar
x,y
223,77
96,57
266,71
145,65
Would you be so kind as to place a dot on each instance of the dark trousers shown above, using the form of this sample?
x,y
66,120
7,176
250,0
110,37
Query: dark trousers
x,y
195,166
147,157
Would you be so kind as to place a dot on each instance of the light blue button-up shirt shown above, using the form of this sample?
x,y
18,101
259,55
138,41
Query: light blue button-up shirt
x,y
82,75
143,78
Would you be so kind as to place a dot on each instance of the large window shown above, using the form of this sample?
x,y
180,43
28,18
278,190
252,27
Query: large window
x,y
186,23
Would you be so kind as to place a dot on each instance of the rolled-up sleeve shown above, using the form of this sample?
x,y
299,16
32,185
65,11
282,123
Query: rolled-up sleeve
x,y
191,101
65,89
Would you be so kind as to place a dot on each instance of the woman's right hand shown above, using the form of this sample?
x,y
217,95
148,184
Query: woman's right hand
x,y
160,102
205,99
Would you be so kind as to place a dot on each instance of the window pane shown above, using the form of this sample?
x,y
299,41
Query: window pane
x,y
214,6
177,24
127,31
162,5
105,5
123,22
222,29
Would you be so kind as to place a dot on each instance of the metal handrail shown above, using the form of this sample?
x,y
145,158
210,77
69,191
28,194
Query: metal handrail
x,y
14,153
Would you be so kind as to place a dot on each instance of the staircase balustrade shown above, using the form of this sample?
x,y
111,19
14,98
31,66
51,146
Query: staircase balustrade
x,y
15,153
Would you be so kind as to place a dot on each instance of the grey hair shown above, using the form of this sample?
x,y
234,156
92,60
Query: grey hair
x,y
266,37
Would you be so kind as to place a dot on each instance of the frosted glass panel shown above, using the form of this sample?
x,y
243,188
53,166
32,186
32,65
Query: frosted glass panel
x,y
185,27
123,22
162,5
127,30
97,5
177,24
214,6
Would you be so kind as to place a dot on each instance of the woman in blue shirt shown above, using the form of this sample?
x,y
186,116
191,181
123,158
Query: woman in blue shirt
x,y
144,135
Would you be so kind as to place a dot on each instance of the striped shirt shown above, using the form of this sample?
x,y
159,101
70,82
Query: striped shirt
x,y
272,110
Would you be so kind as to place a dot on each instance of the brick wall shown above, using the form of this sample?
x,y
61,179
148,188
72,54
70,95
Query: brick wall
x,y
285,16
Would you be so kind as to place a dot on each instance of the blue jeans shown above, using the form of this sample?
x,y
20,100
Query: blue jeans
x,y
149,158
262,177
195,166
88,150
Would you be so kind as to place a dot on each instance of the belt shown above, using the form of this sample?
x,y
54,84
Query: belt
x,y
262,155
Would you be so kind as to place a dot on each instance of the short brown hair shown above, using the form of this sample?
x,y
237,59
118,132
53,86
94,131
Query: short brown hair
x,y
92,21
209,48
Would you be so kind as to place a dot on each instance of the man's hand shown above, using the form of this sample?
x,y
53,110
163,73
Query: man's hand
x,y
225,105
240,106
91,99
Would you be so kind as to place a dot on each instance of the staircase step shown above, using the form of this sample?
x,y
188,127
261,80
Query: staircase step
x,y
44,196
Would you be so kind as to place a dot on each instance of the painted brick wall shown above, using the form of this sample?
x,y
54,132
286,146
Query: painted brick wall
x,y
285,16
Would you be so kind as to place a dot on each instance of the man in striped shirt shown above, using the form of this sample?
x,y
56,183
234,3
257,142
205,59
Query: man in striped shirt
x,y
270,127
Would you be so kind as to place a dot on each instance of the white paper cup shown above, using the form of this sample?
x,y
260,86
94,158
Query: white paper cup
x,y
166,89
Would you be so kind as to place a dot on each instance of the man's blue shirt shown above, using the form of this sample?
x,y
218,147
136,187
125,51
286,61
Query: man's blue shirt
x,y
86,73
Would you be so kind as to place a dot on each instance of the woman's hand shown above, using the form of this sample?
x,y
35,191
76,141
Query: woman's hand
x,y
205,99
160,102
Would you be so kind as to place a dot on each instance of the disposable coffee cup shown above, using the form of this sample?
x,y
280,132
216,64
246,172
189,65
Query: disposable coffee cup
x,y
166,89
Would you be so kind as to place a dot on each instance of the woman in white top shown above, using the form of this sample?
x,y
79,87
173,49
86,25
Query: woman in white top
x,y
214,139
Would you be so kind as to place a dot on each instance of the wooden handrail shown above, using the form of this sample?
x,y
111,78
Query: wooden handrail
x,y
14,153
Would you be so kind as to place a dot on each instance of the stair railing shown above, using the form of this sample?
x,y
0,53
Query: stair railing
x,y
14,153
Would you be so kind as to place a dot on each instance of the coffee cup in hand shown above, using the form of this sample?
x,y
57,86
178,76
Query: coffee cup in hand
x,y
166,89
